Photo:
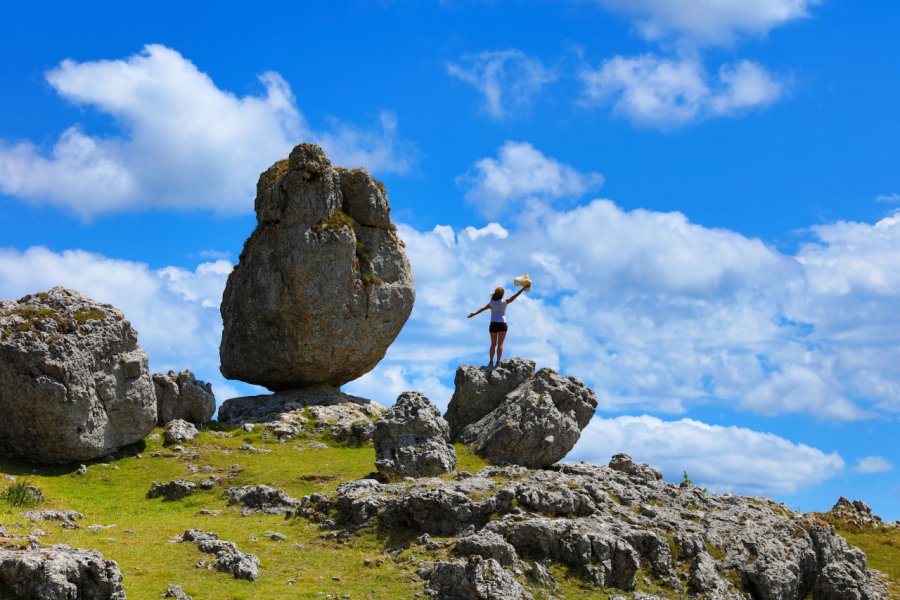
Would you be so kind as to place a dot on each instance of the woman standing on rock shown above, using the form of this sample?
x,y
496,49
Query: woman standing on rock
x,y
498,325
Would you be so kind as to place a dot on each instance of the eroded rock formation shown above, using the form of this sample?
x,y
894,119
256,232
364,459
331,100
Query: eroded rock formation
x,y
74,384
183,396
59,573
323,285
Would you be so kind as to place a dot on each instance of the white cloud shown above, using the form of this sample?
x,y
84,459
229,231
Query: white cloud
x,y
873,464
887,197
521,173
725,459
174,310
508,79
665,93
709,22
184,142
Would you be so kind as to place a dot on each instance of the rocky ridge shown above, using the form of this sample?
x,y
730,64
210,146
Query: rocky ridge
x,y
618,527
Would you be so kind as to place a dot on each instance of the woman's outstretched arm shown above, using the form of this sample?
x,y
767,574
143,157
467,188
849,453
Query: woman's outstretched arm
x,y
482,309
514,296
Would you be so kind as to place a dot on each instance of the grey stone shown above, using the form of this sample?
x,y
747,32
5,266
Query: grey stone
x,y
474,579
74,384
179,431
59,573
487,545
229,559
36,516
261,499
323,285
412,440
183,396
537,423
175,591
479,390
172,490
623,463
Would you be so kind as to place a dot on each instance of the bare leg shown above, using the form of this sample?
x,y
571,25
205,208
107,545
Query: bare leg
x,y
500,338
493,347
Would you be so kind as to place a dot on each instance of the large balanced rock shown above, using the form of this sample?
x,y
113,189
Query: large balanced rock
x,y
534,424
183,396
74,384
323,285
59,573
412,440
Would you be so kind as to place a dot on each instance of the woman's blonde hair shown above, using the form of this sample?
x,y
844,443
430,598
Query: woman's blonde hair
x,y
498,294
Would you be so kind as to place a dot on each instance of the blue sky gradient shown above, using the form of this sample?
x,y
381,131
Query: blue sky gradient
x,y
706,195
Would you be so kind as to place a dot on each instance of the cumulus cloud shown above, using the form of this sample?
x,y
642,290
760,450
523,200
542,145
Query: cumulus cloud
x,y
725,459
520,173
709,22
873,464
661,92
183,142
174,310
508,79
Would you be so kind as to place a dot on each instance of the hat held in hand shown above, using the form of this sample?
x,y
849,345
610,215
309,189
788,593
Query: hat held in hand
x,y
524,281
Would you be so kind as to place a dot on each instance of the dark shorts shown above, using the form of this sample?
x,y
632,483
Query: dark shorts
x,y
495,327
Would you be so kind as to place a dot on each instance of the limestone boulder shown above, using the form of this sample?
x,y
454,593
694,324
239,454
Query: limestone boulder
x,y
479,390
179,431
474,579
413,440
74,383
59,573
183,396
534,425
323,284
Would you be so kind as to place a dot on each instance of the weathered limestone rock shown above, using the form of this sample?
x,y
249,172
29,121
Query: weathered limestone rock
x,y
535,424
412,440
179,431
172,490
323,285
183,396
261,499
614,528
74,384
474,579
229,559
64,516
59,573
480,390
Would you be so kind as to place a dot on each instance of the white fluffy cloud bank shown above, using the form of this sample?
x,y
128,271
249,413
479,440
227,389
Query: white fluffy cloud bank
x,y
725,459
183,141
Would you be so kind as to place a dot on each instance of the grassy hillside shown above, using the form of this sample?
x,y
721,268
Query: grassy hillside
x,y
311,563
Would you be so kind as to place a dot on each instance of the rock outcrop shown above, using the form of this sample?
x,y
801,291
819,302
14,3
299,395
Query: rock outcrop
x,y
241,565
183,396
261,499
520,417
323,285
320,411
473,579
612,527
74,384
59,573
179,431
172,490
412,440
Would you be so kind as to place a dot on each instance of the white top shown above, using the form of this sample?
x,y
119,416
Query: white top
x,y
498,311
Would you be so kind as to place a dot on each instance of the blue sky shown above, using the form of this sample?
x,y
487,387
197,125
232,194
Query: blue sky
x,y
705,193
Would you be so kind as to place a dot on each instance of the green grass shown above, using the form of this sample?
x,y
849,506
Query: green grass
x,y
115,493
882,548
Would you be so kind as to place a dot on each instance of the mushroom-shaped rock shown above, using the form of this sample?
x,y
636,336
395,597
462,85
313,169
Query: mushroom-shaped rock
x,y
323,285
183,396
74,384
412,440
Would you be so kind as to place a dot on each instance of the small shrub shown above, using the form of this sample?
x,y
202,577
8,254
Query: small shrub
x,y
91,314
22,494
687,479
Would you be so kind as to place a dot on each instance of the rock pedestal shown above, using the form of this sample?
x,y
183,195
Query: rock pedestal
x,y
74,384
513,415
323,285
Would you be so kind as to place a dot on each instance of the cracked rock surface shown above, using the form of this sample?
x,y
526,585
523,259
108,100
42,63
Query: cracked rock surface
x,y
413,440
